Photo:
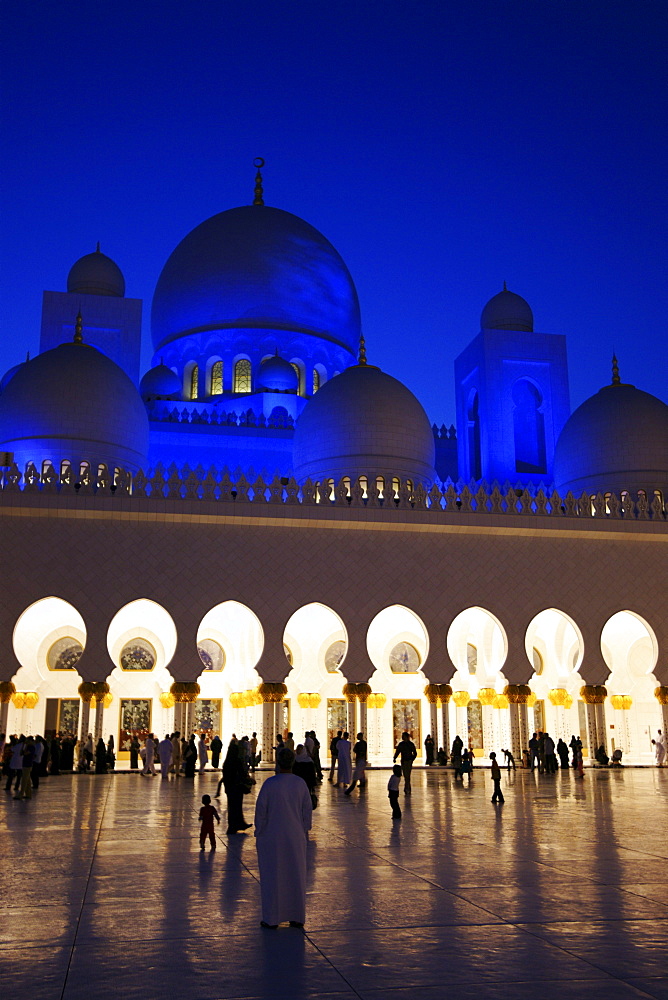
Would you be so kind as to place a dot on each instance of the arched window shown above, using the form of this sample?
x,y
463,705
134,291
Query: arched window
x,y
194,382
380,486
217,378
299,371
529,427
473,428
395,488
471,657
242,375
316,380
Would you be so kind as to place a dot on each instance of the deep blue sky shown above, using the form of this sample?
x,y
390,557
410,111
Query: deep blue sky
x,y
441,146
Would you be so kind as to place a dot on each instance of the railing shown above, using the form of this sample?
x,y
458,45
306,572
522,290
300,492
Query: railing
x,y
219,486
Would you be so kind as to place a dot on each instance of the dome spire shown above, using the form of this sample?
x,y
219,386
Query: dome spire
x,y
259,192
615,371
97,247
78,329
361,359
505,287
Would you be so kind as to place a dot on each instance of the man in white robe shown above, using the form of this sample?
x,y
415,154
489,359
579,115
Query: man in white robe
x,y
165,751
202,753
659,749
176,753
149,759
283,815
345,771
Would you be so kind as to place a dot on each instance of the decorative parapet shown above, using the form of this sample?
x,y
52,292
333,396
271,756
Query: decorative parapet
x,y
170,412
223,487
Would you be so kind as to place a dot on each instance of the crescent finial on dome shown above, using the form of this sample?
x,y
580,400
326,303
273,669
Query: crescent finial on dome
x,y
78,329
259,191
361,360
615,371
505,287
97,247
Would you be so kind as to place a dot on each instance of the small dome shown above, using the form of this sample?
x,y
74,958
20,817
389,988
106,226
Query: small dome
x,y
9,375
507,311
73,402
277,375
364,423
617,440
256,268
160,383
96,274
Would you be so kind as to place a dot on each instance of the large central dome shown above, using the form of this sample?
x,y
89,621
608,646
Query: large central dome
x,y
256,268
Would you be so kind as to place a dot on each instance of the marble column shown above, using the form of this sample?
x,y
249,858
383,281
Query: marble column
x,y
85,719
4,713
664,727
519,730
99,715
593,733
601,728
445,727
351,714
433,712
363,719
267,732
488,734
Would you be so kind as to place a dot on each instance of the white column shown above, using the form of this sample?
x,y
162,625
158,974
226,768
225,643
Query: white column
x,y
462,725
433,712
351,717
85,720
363,720
99,715
445,727
488,735
517,730
601,728
267,732
4,713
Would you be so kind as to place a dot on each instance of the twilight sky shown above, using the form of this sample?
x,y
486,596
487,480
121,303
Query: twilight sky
x,y
443,147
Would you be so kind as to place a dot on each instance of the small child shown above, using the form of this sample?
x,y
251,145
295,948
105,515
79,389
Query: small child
x,y
393,791
496,778
207,814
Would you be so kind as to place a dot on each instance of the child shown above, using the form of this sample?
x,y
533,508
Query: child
x,y
496,778
393,791
207,814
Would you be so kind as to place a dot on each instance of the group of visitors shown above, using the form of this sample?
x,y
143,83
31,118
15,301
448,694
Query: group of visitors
x,y
341,771
38,756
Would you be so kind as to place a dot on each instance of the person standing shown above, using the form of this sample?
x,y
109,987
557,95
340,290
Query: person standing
x,y
496,778
190,757
283,817
533,752
549,758
216,747
280,745
333,753
176,753
100,757
207,814
316,756
236,782
659,749
253,746
40,746
428,750
305,768
27,761
202,753
393,791
574,748
149,756
345,770
134,752
165,750
88,751
359,752
290,742
562,751
407,753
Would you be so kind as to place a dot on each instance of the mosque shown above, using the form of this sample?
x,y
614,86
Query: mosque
x,y
264,532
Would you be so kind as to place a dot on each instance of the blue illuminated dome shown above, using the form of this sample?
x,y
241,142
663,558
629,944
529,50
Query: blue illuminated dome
x,y
277,375
507,311
616,440
73,403
9,375
160,382
256,268
96,274
364,423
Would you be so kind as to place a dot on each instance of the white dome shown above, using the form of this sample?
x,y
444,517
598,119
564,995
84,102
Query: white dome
x,y
507,311
617,440
96,274
73,403
364,422
160,382
278,375
256,268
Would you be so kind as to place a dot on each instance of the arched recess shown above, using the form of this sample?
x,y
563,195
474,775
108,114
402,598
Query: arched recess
x,y
215,375
528,427
48,639
315,642
191,384
398,646
229,644
630,650
473,435
478,646
318,378
555,647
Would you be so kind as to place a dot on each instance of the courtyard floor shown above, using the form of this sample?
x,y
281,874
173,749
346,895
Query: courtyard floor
x,y
561,893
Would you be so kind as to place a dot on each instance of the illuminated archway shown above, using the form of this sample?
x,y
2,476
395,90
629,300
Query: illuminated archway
x,y
630,650
554,646
478,647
